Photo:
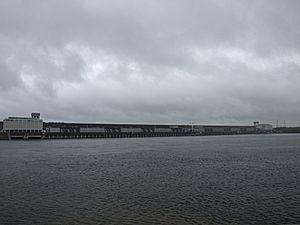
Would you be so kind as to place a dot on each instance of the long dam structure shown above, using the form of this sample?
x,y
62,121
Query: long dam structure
x,y
35,128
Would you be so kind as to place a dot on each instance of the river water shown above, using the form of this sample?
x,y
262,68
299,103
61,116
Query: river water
x,y
243,179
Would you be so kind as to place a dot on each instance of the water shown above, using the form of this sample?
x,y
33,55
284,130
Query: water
x,y
249,179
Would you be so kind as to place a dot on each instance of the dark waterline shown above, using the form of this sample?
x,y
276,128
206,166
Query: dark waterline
x,y
249,179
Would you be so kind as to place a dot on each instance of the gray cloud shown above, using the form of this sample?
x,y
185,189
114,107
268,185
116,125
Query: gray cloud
x,y
9,79
151,61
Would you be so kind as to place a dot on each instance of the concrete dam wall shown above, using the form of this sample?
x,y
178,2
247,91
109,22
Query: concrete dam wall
x,y
79,130
34,128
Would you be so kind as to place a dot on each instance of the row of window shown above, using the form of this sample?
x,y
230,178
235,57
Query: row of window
x,y
30,131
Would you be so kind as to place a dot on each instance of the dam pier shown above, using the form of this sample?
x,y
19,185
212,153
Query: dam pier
x,y
35,128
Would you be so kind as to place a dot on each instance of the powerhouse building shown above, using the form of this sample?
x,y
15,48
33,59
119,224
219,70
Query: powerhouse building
x,y
31,124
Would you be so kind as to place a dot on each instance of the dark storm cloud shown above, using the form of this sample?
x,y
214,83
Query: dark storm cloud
x,y
151,61
9,79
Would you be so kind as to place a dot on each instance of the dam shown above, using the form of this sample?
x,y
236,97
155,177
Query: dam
x,y
35,128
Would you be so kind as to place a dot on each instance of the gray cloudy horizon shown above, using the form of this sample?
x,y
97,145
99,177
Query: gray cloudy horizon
x,y
158,61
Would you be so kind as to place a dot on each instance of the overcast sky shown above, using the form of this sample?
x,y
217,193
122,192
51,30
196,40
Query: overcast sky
x,y
148,61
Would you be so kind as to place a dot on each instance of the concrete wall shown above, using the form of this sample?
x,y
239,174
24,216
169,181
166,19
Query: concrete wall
x,y
131,130
198,128
250,129
53,129
92,129
218,129
162,129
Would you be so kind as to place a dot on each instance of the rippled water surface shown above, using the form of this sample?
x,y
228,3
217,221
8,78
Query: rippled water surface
x,y
250,179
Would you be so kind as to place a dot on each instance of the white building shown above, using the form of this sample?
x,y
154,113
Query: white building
x,y
23,124
264,127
